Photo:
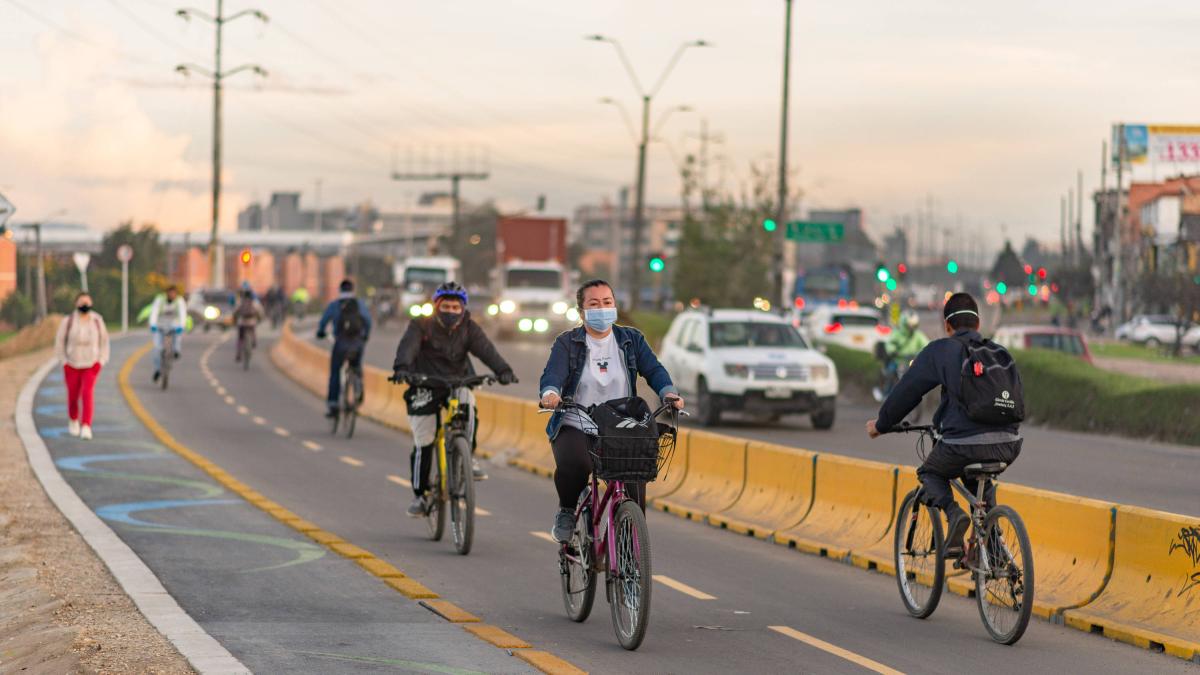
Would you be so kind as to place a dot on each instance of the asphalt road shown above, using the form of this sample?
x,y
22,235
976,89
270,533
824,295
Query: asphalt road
x,y
735,588
1127,471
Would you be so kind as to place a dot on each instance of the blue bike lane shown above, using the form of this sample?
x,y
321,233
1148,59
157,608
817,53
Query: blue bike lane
x,y
275,600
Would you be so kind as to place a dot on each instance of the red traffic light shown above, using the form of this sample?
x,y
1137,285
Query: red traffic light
x,y
799,302
1042,273
245,256
902,268
1029,269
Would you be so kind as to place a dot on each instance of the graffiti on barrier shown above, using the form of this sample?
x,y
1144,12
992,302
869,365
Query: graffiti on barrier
x,y
1188,541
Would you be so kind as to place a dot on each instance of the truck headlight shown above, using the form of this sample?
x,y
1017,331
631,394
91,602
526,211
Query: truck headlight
x,y
211,313
737,370
508,306
525,325
493,310
559,307
541,325
414,311
427,309
572,314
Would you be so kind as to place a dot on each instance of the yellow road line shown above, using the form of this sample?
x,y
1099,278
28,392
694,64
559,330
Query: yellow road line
x,y
399,481
682,587
368,561
282,432
544,535
258,420
315,447
482,512
221,391
350,460
835,650
243,410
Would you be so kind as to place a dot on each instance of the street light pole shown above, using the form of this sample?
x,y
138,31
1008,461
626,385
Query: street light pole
x,y
784,261
216,260
41,271
639,204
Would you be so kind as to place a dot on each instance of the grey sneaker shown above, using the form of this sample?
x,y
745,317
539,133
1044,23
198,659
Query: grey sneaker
x,y
564,526
418,507
477,471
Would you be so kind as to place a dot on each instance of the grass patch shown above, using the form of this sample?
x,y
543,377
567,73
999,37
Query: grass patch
x,y
855,368
5,334
654,325
1125,350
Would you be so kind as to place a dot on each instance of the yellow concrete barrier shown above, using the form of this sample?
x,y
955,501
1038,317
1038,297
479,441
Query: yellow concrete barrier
x,y
486,404
778,494
671,476
505,425
1152,599
532,446
880,555
377,393
716,474
853,508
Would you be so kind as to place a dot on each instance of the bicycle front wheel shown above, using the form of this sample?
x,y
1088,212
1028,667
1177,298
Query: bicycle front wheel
x,y
919,555
1005,591
630,575
246,351
577,565
350,399
435,517
462,494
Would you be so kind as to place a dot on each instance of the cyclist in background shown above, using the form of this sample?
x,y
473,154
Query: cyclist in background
x,y
441,345
964,441
247,315
300,302
167,312
902,346
351,328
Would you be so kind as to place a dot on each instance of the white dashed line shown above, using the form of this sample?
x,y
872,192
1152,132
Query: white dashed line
x,y
282,432
221,391
350,460
399,481
482,512
835,650
243,410
315,447
259,420
230,400
544,535
682,587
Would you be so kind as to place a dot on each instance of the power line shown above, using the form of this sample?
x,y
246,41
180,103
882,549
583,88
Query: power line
x,y
83,39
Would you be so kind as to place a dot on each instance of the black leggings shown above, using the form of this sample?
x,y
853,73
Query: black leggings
x,y
574,465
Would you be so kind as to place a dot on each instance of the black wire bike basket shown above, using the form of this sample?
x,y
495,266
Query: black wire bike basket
x,y
626,442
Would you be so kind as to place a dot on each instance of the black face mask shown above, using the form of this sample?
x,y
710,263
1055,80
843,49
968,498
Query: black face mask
x,y
449,319
84,308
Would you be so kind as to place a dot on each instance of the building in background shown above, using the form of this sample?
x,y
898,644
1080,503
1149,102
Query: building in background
x,y
856,253
603,236
8,267
1165,223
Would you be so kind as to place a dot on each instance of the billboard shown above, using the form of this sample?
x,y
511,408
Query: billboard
x,y
1156,143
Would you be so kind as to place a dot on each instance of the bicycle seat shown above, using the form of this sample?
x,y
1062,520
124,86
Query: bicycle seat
x,y
984,469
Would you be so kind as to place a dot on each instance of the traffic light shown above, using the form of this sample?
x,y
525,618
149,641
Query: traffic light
x,y
245,257
891,284
901,270
952,267
1042,273
882,273
1028,269
656,263
770,225
1001,288
1033,289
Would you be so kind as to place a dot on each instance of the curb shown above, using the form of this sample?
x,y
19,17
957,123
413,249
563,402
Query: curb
x,y
375,566
200,649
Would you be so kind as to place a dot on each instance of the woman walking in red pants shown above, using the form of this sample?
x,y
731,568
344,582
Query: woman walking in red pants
x,y
82,346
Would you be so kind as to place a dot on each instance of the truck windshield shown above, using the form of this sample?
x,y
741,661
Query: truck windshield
x,y
425,276
534,279
754,334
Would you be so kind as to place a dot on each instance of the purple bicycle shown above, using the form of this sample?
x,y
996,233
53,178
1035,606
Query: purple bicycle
x,y
610,526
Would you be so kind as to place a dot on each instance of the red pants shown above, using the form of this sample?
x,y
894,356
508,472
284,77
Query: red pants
x,y
80,383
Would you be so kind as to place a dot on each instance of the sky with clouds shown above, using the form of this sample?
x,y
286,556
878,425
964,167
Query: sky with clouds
x,y
990,108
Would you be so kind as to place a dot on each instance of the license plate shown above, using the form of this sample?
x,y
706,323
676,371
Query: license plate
x,y
778,392
858,339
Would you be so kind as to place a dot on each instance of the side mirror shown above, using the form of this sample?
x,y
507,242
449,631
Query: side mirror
x,y
695,348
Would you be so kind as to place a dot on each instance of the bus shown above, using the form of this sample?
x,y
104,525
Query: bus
x,y
823,286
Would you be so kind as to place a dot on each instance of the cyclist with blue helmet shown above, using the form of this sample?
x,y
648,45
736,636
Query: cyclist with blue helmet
x,y
441,345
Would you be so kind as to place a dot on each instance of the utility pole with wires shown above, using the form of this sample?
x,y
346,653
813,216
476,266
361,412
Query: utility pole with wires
x,y
477,170
216,258
1079,217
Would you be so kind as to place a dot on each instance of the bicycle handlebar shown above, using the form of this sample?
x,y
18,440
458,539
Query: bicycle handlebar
x,y
451,383
905,427
569,404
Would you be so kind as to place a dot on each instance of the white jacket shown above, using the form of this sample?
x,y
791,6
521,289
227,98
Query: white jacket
x,y
87,342
171,315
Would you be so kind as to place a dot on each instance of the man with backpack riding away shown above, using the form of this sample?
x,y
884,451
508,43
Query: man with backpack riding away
x,y
246,315
351,328
979,415
441,345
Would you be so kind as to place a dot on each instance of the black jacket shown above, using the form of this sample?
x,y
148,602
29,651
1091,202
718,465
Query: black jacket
x,y
940,363
430,348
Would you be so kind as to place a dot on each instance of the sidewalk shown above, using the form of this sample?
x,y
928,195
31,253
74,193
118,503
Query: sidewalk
x,y
62,610
271,597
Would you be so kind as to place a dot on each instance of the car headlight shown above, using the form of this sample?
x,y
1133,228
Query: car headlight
x,y
820,372
427,309
525,325
415,310
572,314
559,307
493,310
508,306
541,325
738,370
211,313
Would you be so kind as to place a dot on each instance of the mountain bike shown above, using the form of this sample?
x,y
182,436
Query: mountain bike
x,y
245,346
166,357
352,395
997,552
452,483
611,535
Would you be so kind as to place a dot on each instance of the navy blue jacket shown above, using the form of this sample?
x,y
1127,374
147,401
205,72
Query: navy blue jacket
x,y
331,315
568,358
940,363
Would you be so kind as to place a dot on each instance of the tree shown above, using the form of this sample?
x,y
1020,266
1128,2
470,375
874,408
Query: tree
x,y
149,254
1009,268
473,243
1177,294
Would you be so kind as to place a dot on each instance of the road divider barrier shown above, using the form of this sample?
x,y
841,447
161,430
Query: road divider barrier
x,y
1132,574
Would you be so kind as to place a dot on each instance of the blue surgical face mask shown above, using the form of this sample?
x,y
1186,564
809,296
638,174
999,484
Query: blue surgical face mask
x,y
601,318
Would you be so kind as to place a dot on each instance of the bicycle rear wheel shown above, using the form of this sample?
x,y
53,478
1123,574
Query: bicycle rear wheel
x,y
1005,592
350,397
246,352
165,368
919,555
435,517
462,494
577,565
631,580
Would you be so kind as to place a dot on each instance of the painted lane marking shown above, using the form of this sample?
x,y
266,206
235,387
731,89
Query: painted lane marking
x,y
282,432
482,512
243,410
546,536
221,391
350,460
682,587
399,481
835,650
315,447
259,420
230,400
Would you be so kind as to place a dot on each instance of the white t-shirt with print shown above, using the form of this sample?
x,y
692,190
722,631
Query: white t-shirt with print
x,y
604,376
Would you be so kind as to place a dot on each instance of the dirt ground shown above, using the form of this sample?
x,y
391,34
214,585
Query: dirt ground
x,y
60,609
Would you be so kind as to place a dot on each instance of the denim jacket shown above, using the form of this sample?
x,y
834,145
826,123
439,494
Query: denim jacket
x,y
568,358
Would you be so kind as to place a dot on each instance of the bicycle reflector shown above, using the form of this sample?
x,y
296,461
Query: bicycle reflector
x,y
978,368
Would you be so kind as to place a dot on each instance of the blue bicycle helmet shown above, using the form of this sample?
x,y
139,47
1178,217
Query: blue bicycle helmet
x,y
451,289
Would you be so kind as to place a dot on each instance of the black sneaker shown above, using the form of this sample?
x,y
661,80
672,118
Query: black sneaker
x,y
957,529
564,526
330,413
156,376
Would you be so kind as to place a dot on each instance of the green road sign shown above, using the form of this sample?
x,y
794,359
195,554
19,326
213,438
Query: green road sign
x,y
804,231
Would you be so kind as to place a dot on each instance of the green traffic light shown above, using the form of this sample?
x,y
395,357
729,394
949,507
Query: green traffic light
x,y
769,225
1033,289
657,264
891,284
882,274
1001,288
952,267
